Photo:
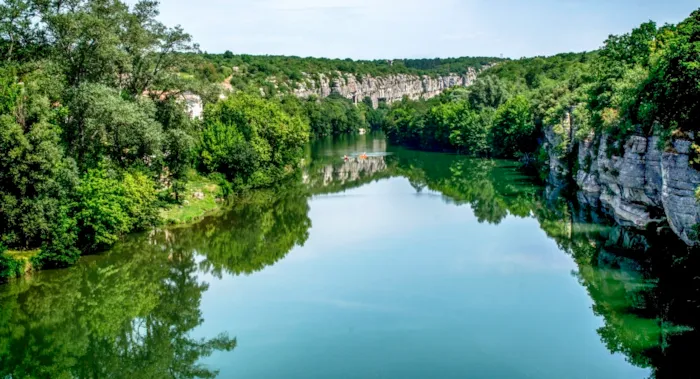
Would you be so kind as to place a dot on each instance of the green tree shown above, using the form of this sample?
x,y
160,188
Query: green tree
x,y
488,92
252,141
105,124
110,206
513,132
671,93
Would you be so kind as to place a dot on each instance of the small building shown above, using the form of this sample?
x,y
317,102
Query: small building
x,y
193,104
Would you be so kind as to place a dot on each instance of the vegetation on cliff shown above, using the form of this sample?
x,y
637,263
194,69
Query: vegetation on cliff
x,y
283,74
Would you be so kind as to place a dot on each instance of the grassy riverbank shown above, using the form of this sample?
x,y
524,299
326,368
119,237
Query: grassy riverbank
x,y
202,196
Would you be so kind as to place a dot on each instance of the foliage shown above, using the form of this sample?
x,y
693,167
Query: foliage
x,y
670,96
252,141
106,125
289,72
488,92
93,123
501,114
109,206
333,115
9,267
513,130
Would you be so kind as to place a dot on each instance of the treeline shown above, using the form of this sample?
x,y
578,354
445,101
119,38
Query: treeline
x,y
95,137
501,114
643,82
335,115
283,74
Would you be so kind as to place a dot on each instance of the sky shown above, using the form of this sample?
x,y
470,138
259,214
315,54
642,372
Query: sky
x,y
378,29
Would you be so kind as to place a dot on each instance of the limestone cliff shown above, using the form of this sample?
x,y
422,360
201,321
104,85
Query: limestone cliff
x,y
639,181
389,88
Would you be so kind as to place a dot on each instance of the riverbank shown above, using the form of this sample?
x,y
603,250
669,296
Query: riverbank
x,y
202,197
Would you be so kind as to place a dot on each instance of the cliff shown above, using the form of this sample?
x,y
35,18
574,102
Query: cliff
x,y
642,183
389,88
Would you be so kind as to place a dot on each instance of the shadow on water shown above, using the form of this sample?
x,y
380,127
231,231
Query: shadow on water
x,y
131,311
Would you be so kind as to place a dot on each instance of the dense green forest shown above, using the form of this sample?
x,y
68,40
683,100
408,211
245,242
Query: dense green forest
x,y
645,82
501,114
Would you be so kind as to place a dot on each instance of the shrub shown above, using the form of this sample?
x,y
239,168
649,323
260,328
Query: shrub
x,y
9,267
110,206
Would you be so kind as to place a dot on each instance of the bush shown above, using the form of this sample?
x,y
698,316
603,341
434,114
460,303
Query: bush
x,y
140,200
9,267
110,206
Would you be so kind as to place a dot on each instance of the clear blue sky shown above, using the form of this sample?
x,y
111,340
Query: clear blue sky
x,y
367,29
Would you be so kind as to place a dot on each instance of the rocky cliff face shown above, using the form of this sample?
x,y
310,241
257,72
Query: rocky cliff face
x,y
557,144
642,184
388,88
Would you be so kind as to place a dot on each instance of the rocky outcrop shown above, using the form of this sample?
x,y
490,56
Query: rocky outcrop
x,y
641,184
631,182
389,88
557,144
679,182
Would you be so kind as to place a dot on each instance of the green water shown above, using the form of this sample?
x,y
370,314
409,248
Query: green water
x,y
401,265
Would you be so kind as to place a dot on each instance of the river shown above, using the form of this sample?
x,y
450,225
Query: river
x,y
401,265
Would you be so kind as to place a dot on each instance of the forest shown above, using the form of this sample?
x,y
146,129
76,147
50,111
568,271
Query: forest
x,y
644,82
95,141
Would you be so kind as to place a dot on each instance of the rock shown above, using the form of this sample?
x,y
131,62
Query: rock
x,y
557,141
198,195
643,186
630,185
679,182
389,88
587,175
186,202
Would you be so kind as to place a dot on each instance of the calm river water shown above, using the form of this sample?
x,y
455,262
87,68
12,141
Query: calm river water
x,y
401,265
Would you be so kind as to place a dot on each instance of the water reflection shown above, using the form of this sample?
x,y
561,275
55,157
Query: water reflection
x,y
256,232
131,312
643,285
127,314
